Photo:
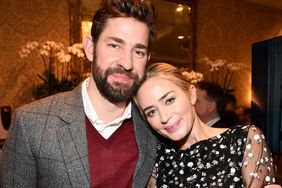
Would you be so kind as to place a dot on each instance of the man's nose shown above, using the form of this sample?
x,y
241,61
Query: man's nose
x,y
126,61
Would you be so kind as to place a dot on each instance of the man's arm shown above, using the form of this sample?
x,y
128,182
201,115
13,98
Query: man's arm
x,y
17,165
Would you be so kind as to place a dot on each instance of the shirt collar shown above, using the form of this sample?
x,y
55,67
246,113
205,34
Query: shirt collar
x,y
91,113
213,121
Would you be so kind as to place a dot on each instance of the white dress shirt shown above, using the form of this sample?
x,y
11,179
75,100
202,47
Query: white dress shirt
x,y
106,130
213,121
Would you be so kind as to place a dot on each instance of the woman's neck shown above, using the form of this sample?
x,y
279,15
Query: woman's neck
x,y
200,131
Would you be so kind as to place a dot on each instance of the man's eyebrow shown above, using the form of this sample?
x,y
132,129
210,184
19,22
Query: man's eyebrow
x,y
119,40
141,46
116,39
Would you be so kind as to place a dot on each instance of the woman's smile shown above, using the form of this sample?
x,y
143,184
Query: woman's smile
x,y
173,127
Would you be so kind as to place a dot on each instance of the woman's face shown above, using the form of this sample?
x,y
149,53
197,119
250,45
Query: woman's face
x,y
167,107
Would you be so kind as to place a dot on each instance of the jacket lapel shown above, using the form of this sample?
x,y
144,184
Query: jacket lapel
x,y
146,143
73,141
72,137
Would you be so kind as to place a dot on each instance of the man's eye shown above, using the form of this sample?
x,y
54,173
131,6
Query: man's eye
x,y
140,53
113,45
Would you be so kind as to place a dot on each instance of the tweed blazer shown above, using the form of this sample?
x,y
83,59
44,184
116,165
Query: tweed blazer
x,y
47,147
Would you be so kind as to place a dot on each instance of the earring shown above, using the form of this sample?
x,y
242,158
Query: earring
x,y
193,101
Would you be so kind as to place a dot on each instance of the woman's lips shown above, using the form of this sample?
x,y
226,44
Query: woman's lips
x,y
173,127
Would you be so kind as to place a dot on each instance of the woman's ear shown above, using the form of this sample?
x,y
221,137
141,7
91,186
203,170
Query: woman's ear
x,y
192,94
88,46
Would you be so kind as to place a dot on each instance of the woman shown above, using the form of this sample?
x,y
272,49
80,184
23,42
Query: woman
x,y
198,155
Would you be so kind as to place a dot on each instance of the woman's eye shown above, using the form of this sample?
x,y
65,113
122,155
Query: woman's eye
x,y
150,113
170,100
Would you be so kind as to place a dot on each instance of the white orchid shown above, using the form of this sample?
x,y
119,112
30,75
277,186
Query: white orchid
x,y
234,67
217,64
221,71
76,49
63,57
192,76
55,56
63,66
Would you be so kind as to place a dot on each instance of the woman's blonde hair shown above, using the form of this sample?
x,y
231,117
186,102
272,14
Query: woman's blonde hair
x,y
168,72
165,71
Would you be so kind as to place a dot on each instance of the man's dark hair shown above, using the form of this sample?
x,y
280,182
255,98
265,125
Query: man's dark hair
x,y
142,10
229,97
214,93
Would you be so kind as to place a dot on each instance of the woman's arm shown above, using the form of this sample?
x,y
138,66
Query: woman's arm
x,y
153,179
258,169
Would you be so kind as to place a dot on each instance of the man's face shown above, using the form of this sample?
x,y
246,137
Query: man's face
x,y
120,57
202,105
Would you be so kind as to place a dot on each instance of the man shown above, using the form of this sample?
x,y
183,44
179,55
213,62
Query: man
x,y
210,103
91,136
244,115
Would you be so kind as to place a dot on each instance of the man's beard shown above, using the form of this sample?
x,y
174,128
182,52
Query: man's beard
x,y
115,92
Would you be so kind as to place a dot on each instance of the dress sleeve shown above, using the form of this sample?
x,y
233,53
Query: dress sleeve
x,y
258,169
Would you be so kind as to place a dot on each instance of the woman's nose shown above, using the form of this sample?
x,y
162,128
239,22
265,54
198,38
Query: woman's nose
x,y
164,116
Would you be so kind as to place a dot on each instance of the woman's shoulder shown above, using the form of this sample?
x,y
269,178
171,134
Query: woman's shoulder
x,y
250,129
237,132
243,128
245,133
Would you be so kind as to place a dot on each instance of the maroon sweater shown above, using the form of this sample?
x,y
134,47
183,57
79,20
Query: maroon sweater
x,y
112,162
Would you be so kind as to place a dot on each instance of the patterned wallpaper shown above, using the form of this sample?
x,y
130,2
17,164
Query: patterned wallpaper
x,y
22,21
223,30
227,31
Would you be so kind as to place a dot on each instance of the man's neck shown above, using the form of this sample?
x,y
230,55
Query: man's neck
x,y
209,118
106,110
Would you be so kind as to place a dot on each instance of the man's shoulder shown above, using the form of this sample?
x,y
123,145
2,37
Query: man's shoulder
x,y
51,102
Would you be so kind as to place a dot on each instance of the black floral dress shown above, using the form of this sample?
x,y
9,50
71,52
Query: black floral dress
x,y
239,157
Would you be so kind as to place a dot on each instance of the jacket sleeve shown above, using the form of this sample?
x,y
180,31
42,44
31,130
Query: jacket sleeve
x,y
17,165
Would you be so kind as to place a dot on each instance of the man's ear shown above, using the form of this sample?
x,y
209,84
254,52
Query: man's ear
x,y
192,95
211,106
88,46
149,57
